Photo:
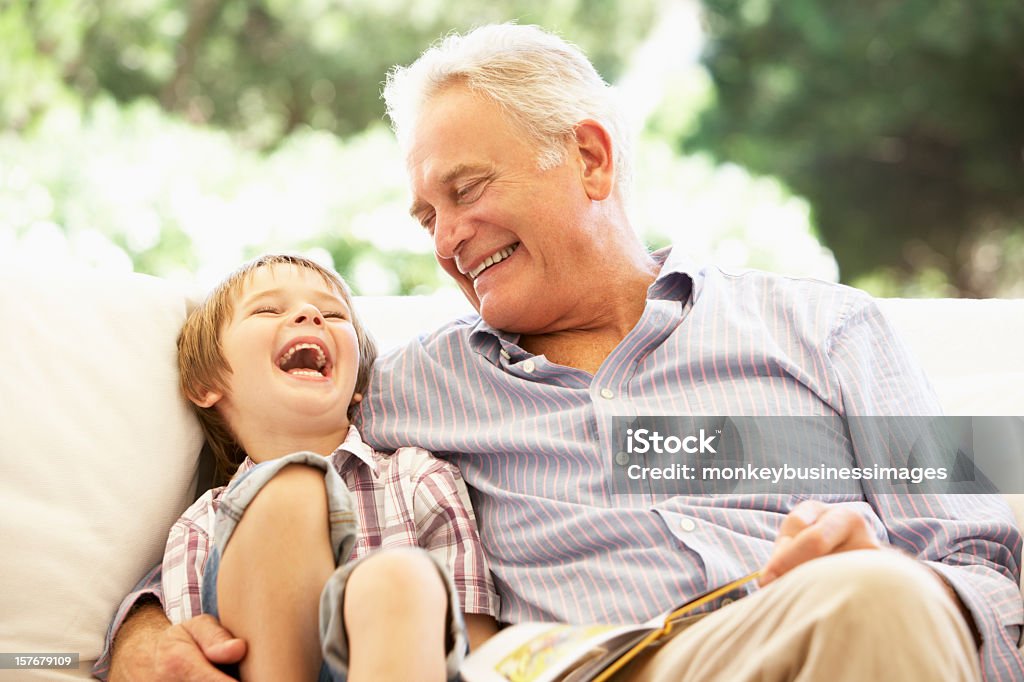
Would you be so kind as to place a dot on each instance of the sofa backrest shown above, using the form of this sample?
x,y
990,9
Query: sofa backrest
x,y
99,450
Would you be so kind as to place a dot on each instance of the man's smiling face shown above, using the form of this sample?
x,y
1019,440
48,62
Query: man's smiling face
x,y
512,236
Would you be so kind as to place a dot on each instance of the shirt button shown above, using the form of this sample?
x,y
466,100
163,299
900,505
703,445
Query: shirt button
x,y
622,458
528,366
687,525
607,393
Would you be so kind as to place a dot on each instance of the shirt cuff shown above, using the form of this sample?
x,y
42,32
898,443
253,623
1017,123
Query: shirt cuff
x,y
147,591
1000,629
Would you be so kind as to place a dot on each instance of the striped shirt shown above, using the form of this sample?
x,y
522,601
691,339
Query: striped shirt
x,y
406,499
533,440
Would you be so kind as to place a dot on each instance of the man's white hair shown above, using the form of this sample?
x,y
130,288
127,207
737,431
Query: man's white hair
x,y
544,84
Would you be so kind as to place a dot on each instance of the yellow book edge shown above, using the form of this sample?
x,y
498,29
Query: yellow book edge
x,y
666,629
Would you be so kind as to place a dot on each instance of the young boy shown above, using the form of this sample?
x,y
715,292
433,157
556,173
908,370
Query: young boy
x,y
273,361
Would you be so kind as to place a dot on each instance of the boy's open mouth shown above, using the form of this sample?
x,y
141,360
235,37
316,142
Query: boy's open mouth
x,y
307,357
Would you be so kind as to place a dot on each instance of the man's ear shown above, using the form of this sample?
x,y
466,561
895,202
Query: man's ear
x,y
594,145
207,399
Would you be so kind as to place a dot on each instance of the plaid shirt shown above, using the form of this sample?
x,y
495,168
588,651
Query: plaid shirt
x,y
408,499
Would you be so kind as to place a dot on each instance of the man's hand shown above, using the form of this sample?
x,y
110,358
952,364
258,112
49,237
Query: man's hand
x,y
148,648
815,529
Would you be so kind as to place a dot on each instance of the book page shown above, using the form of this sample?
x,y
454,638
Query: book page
x,y
552,652
547,652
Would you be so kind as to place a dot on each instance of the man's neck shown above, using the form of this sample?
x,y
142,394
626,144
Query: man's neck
x,y
587,346
581,350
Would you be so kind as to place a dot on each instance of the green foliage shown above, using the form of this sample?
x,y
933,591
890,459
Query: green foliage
x,y
178,138
901,122
134,187
265,67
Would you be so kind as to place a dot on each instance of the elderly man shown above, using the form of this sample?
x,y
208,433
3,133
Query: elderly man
x,y
519,167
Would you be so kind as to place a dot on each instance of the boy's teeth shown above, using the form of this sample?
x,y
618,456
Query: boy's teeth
x,y
320,358
306,372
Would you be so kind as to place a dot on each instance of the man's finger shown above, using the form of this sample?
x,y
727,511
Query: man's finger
x,y
179,659
802,515
217,644
827,534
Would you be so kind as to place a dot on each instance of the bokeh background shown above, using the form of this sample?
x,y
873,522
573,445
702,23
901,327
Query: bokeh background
x,y
874,142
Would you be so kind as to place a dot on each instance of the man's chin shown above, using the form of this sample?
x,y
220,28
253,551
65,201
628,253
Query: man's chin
x,y
508,316
470,293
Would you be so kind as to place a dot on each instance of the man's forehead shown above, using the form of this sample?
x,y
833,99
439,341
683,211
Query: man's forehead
x,y
443,125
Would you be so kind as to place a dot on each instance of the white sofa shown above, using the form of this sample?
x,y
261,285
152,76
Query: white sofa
x,y
98,452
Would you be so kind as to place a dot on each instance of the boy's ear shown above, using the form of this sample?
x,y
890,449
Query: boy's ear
x,y
207,399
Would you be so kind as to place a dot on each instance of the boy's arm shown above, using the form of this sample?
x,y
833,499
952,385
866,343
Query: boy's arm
x,y
448,530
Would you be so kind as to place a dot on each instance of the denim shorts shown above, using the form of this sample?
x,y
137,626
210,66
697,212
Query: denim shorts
x,y
343,530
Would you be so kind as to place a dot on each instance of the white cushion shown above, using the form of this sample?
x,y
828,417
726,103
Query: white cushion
x,y
98,450
970,349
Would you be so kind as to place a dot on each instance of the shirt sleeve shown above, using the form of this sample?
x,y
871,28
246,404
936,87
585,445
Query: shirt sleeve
x,y
147,588
175,583
188,546
446,527
972,541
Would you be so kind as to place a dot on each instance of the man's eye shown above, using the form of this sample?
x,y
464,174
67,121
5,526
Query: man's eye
x,y
470,192
427,222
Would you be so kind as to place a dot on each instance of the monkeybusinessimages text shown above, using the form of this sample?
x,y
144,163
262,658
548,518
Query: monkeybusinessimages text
x,y
646,441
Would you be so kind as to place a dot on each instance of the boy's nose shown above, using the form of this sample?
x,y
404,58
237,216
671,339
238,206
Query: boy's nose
x,y
309,314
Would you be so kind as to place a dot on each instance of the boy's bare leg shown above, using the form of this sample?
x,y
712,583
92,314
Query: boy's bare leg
x,y
271,575
395,615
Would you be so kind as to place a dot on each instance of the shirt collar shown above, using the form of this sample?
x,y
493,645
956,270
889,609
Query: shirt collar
x,y
678,278
353,446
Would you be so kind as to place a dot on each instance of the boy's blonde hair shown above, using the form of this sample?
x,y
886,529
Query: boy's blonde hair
x,y
203,368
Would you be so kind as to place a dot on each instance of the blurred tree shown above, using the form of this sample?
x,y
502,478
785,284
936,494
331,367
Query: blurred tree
x,y
902,122
178,137
265,67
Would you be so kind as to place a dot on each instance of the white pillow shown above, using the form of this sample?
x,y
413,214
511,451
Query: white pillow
x,y
98,451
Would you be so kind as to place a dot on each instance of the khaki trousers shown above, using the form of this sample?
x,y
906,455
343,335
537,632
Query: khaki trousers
x,y
866,615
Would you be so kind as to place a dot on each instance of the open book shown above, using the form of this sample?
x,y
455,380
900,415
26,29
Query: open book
x,y
552,652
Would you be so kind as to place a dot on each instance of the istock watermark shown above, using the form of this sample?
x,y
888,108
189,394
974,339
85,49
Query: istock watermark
x,y
701,455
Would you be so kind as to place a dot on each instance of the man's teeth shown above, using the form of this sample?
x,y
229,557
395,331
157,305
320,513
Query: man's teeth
x,y
321,359
491,260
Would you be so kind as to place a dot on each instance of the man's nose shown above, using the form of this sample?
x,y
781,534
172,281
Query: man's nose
x,y
450,233
308,314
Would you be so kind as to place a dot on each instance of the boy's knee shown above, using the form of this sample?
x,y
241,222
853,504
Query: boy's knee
x,y
294,491
398,579
398,571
